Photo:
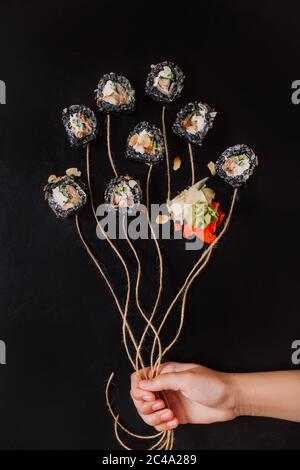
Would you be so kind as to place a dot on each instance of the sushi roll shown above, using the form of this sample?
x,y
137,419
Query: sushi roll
x,y
65,194
145,144
236,164
194,121
115,94
123,194
165,82
81,125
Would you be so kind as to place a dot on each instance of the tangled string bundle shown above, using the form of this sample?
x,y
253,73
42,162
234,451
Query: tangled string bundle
x,y
193,211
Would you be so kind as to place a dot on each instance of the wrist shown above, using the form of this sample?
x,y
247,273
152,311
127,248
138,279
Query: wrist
x,y
244,394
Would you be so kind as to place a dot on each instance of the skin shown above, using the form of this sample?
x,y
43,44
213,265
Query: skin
x,y
190,393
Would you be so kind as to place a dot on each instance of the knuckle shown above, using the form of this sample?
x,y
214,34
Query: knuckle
x,y
132,376
189,377
134,395
146,408
146,419
167,365
151,420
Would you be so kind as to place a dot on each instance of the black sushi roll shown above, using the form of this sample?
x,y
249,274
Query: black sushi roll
x,y
123,194
145,144
165,82
81,125
65,194
236,164
114,94
194,121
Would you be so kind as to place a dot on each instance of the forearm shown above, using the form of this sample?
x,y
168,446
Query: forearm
x,y
269,394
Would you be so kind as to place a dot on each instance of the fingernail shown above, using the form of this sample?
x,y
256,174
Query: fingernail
x,y
172,424
156,406
147,397
145,383
165,416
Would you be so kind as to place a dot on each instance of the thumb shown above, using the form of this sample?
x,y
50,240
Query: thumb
x,y
167,381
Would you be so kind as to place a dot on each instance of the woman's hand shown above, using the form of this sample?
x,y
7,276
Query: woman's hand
x,y
188,393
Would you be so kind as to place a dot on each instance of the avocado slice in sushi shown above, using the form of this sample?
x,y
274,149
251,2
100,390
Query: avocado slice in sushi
x,y
194,121
115,94
145,144
236,164
165,82
81,125
65,194
123,194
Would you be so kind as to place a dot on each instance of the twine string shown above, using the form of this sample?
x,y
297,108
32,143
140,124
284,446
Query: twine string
x,y
196,265
182,312
100,269
110,157
88,173
164,437
137,286
139,270
161,273
192,163
166,152
148,185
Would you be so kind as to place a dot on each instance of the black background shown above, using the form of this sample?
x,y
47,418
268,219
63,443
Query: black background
x,y
60,326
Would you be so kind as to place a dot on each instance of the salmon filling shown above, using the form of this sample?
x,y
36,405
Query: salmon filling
x,y
164,80
194,123
143,143
236,165
66,196
122,196
80,125
114,93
